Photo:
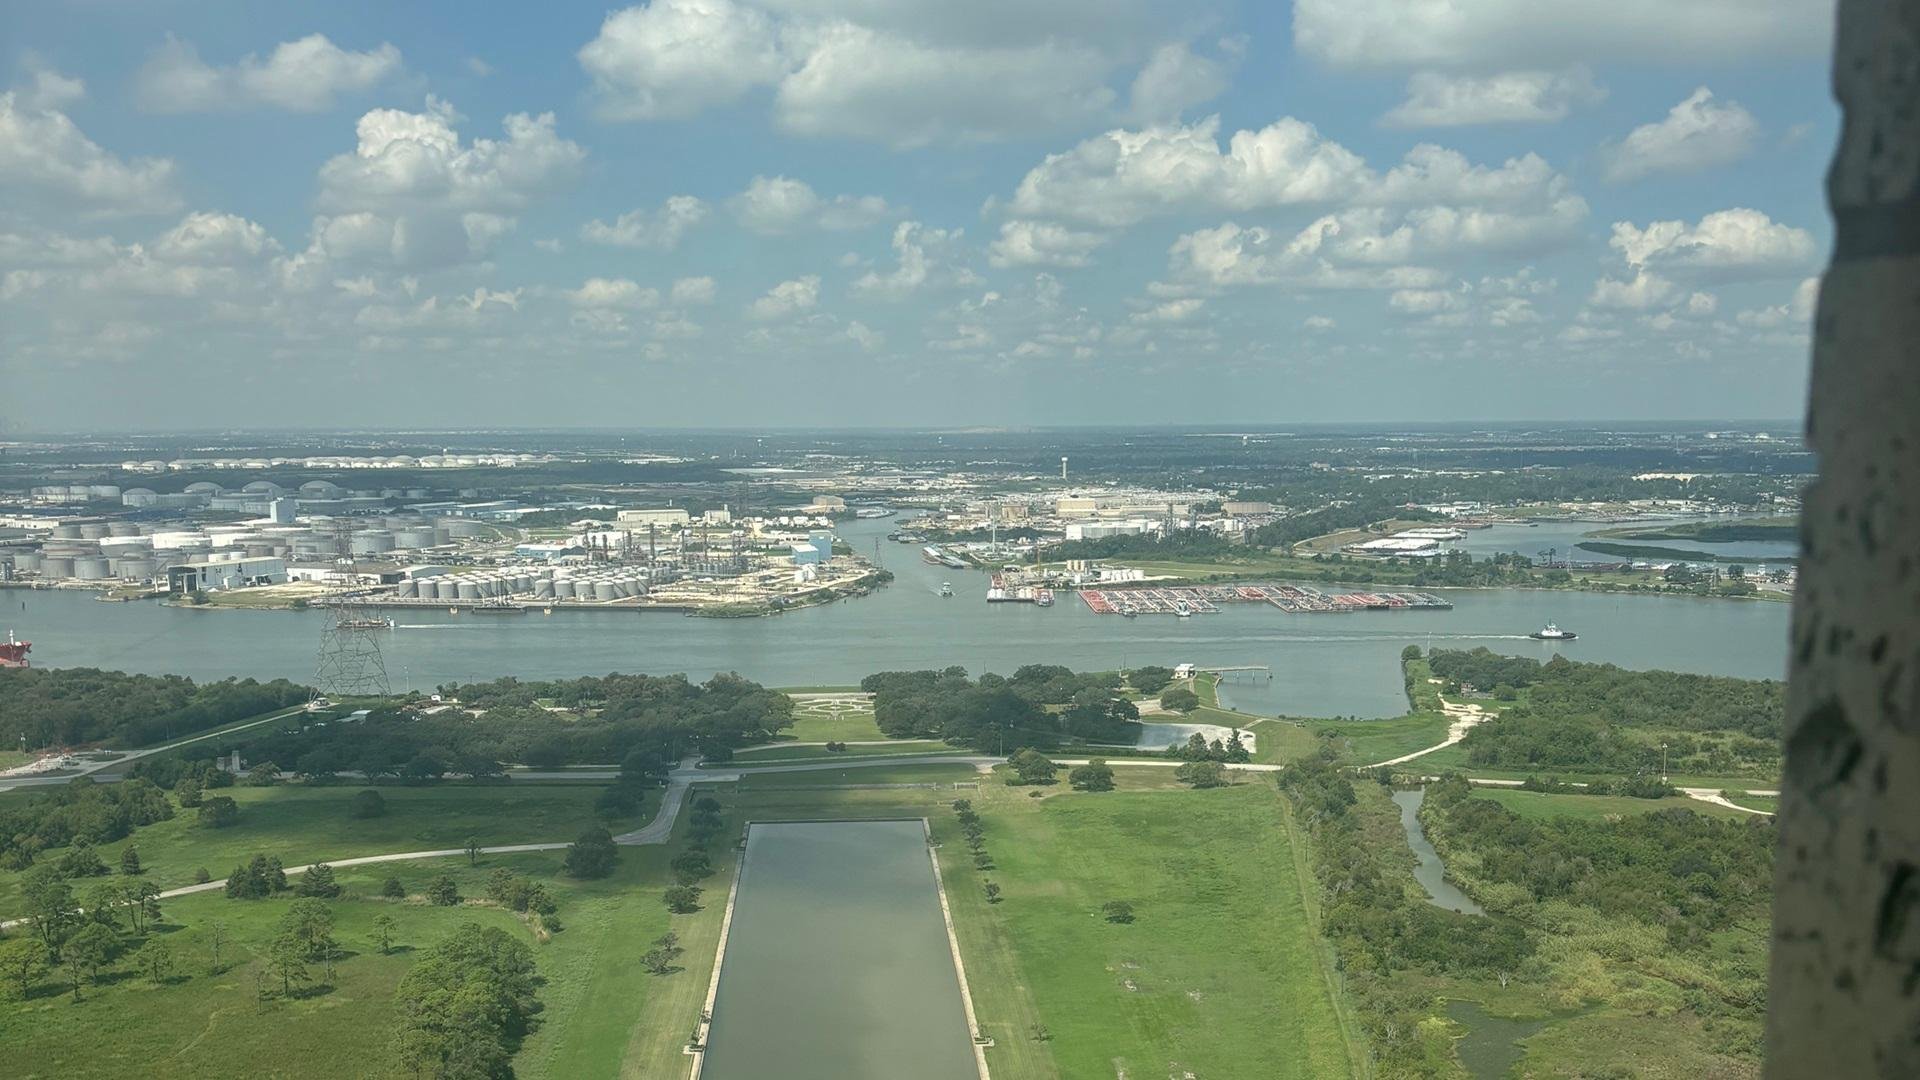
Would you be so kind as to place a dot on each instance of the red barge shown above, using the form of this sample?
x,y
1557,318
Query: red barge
x,y
13,652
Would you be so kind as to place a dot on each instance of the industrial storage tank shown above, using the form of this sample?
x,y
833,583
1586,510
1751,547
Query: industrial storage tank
x,y
469,590
462,528
66,532
370,542
523,583
415,537
94,530
138,567
56,566
123,528
563,589
24,561
604,590
92,568
409,589
543,589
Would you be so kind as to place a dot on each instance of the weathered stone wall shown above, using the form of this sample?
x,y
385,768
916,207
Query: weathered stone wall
x,y
1844,999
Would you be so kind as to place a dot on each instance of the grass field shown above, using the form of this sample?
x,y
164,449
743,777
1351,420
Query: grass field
x,y
876,774
208,1023
1540,804
1220,942
1758,802
301,824
1363,742
1219,975
844,727
781,752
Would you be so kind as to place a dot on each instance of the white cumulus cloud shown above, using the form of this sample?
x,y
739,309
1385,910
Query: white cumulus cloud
x,y
661,229
1731,244
1699,133
304,76
780,204
787,299
1042,243
1488,34
1439,99
48,162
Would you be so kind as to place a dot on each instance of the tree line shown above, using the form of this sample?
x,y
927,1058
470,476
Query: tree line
x,y
87,706
1040,705
1603,718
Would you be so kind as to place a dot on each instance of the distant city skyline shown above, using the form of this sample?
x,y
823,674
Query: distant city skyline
x,y
891,213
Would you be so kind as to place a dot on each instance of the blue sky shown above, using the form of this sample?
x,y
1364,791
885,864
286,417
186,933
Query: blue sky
x,y
892,212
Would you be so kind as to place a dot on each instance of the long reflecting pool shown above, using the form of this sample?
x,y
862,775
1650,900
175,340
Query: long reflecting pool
x,y
837,965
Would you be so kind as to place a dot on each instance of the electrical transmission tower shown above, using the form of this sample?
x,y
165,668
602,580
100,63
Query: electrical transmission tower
x,y
350,664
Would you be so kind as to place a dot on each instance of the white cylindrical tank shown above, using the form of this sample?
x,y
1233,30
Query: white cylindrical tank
x,y
604,590
469,590
543,589
56,566
408,589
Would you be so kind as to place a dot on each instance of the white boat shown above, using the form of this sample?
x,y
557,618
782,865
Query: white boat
x,y
1182,609
1550,632
946,588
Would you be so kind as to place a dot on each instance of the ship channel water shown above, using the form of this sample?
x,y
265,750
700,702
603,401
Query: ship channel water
x,y
1322,664
837,963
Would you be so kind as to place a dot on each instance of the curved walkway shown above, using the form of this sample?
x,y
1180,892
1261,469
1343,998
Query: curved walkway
x,y
1465,718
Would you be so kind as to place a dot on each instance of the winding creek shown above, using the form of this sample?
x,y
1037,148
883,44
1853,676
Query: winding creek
x,y
1428,869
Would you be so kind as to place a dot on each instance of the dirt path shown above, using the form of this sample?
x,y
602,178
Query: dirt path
x,y
1465,718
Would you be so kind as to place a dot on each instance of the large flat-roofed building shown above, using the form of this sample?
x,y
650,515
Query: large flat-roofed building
x,y
226,574
668,516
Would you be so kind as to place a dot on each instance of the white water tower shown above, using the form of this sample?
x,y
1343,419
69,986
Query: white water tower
x,y
1063,468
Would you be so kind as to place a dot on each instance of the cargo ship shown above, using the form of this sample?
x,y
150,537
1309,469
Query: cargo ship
x,y
13,652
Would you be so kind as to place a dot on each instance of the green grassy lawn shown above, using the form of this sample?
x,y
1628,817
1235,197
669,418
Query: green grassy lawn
x,y
815,753
874,774
845,727
1218,975
1758,802
11,758
1363,742
209,1023
1540,804
301,824
1277,741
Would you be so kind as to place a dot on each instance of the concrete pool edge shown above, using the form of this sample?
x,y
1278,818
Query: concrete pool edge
x,y
698,1048
959,966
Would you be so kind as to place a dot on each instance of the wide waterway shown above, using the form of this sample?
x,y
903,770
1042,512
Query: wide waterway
x,y
837,962
1323,665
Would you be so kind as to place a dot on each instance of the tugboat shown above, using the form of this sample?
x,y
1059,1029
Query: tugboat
x,y
1550,632
946,588
13,652
1044,598
378,622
